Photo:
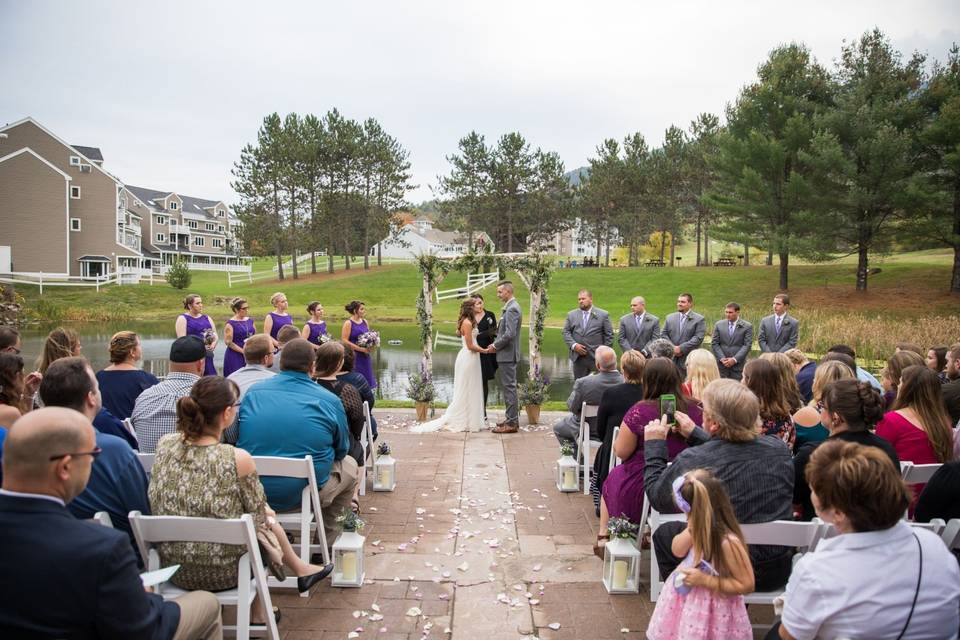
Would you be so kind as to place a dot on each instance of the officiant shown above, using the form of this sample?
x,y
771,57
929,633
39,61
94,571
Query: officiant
x,y
486,323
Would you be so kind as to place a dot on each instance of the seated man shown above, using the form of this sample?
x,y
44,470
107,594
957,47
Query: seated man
x,y
588,389
291,416
258,354
65,578
118,483
285,335
155,412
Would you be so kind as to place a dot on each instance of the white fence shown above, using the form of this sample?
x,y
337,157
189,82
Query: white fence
x,y
338,263
475,282
41,280
200,266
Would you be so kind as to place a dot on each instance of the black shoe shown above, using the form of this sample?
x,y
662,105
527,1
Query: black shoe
x,y
305,582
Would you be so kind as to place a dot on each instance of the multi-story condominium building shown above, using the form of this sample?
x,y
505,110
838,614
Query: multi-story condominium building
x,y
63,215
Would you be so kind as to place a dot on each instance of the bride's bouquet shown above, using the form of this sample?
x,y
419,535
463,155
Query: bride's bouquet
x,y
368,340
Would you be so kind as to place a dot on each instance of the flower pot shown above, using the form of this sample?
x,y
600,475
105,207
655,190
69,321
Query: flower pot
x,y
422,411
533,413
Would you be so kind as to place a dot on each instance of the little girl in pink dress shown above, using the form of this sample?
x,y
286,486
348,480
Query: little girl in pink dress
x,y
703,598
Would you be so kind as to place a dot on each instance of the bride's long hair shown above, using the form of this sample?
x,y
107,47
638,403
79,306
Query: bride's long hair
x,y
467,308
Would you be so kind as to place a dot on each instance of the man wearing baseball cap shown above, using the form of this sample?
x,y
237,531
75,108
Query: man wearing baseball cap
x,y
155,412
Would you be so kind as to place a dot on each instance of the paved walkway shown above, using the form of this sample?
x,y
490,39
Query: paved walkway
x,y
475,542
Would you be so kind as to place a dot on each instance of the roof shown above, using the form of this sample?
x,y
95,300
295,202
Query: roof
x,y
38,157
93,258
93,153
197,206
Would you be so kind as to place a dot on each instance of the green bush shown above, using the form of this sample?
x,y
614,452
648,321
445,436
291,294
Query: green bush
x,y
179,275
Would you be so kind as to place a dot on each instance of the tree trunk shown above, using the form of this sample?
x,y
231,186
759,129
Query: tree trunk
x,y
296,273
698,240
330,258
279,258
606,242
673,250
313,230
784,264
509,231
379,255
770,256
427,346
863,246
534,342
663,244
746,254
366,248
706,246
955,280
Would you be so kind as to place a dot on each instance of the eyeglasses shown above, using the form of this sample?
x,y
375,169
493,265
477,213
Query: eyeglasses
x,y
96,452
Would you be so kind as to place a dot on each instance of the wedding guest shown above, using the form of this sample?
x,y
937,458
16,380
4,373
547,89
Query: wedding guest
x,y
614,404
659,348
731,342
315,330
910,346
702,369
803,369
348,375
848,362
328,362
10,341
590,390
776,412
486,323
354,327
196,323
15,397
122,382
60,343
862,374
259,358
284,336
879,578
235,332
586,328
849,410
788,378
685,329
894,371
278,318
936,360
951,390
806,421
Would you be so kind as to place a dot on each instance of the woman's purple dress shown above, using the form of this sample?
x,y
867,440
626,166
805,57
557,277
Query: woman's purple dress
x,y
278,323
317,329
362,363
197,327
623,489
233,360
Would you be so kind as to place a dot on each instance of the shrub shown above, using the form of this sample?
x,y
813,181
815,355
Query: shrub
x,y
179,275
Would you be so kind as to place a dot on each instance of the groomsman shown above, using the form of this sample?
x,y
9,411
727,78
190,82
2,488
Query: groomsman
x,y
685,329
639,327
585,329
780,331
732,339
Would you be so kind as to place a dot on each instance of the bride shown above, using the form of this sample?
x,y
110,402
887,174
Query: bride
x,y
465,411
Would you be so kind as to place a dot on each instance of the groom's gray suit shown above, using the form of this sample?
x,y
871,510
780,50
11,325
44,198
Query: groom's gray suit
x,y
507,345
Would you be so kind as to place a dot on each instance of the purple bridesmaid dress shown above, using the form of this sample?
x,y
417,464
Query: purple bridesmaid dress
x,y
197,327
316,330
278,323
233,360
362,362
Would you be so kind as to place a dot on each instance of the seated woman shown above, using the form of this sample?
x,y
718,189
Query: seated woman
x,y
890,377
614,404
15,394
776,404
195,475
348,375
702,369
806,421
879,578
849,410
328,362
623,489
123,381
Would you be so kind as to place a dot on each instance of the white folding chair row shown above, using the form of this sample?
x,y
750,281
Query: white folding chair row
x,y
150,531
918,473
583,442
103,519
366,441
951,534
788,533
146,460
308,518
614,460
655,519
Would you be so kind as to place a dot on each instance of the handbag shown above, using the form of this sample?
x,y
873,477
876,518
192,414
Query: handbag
x,y
270,550
917,592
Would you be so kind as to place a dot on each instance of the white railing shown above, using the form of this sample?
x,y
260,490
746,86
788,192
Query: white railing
x,y
251,277
41,280
301,258
449,341
203,266
475,282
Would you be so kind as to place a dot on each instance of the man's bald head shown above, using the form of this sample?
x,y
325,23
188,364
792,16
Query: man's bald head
x,y
43,434
606,359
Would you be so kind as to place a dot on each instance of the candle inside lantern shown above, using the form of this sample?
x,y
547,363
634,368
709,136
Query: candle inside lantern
x,y
569,479
348,565
620,574
384,476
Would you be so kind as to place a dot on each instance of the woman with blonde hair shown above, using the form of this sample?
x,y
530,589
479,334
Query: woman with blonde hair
x,y
890,377
123,381
806,421
702,369
278,318
60,343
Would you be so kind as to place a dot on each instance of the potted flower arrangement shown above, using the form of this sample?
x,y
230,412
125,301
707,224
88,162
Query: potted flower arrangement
x,y
532,393
420,389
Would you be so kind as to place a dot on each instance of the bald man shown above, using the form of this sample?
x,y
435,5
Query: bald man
x,y
74,578
588,389
638,327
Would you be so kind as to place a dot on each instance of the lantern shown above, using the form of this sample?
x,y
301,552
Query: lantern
x,y
384,473
348,560
621,566
568,477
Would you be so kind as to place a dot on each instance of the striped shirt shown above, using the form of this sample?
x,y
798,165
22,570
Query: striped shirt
x,y
155,412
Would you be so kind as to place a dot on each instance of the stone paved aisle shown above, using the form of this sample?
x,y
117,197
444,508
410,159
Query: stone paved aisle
x,y
475,542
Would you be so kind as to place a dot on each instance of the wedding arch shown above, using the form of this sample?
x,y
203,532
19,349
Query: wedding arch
x,y
532,270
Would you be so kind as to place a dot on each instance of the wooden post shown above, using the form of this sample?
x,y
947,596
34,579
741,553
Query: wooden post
x,y
427,345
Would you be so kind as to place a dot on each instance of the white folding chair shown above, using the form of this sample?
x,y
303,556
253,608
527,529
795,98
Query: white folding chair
x,y
128,425
366,441
787,533
308,518
146,460
951,534
251,578
583,442
655,519
614,460
918,473
102,518
936,525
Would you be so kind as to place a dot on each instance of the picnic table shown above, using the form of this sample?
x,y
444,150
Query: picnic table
x,y
655,263
725,262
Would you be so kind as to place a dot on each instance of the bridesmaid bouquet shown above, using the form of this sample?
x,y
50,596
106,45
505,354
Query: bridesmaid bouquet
x,y
208,337
368,340
324,338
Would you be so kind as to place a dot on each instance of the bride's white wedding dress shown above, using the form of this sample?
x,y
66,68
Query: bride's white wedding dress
x,y
465,411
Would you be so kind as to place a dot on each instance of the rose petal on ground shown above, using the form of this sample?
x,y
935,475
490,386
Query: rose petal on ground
x,y
554,625
413,612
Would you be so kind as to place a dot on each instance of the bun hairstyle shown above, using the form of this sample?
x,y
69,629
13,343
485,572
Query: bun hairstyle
x,y
189,300
275,297
236,303
122,345
353,306
313,306
857,403
198,412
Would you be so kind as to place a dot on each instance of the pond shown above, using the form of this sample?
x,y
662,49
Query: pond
x,y
393,362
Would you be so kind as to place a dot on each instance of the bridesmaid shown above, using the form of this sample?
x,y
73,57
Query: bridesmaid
x,y
353,328
196,323
486,324
275,320
315,326
235,333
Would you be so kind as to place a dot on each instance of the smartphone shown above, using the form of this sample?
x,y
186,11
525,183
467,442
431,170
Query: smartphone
x,y
668,406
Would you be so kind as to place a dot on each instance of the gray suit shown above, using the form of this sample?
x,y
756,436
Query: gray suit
x,y
770,340
507,345
686,335
630,337
725,345
597,332
588,389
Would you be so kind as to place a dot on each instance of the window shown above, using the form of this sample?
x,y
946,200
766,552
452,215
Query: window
x,y
74,224
220,213
161,238
220,228
74,161
198,241
75,193
159,220
192,224
173,206
218,243
210,226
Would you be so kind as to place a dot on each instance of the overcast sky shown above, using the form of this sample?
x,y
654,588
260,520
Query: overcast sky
x,y
171,91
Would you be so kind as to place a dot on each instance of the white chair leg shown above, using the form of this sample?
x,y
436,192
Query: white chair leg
x,y
586,464
363,476
243,602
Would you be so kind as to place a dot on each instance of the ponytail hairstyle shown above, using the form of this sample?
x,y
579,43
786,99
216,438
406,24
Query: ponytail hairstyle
x,y
11,380
60,343
236,303
858,404
198,412
711,518
920,391
466,311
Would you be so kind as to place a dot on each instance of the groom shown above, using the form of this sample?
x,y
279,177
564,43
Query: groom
x,y
507,348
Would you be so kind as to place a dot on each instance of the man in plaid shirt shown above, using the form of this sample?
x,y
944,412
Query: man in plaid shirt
x,y
155,412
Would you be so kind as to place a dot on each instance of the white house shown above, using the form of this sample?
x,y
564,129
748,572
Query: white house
x,y
420,237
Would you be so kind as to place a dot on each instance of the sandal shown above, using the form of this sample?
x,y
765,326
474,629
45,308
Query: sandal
x,y
598,548
355,507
